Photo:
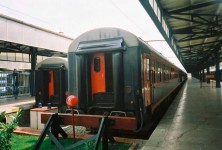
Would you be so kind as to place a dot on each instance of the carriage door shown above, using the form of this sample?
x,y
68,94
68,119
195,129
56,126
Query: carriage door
x,y
106,79
41,86
147,80
98,73
58,87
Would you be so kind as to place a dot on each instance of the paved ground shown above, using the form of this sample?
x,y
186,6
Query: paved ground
x,y
11,105
192,122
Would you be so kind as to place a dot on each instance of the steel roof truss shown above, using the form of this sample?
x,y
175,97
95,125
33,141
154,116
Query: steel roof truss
x,y
199,37
193,7
194,21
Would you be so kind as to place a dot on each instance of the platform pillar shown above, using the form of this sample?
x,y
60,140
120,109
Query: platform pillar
x,y
200,75
203,75
217,63
201,78
33,53
208,72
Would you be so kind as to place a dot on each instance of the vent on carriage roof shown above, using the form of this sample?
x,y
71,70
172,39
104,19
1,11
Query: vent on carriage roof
x,y
101,45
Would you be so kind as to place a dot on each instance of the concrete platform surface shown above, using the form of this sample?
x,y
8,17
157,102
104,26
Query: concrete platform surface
x,y
12,105
192,122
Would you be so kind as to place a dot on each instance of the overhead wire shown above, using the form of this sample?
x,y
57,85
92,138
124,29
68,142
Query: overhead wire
x,y
127,17
22,13
51,26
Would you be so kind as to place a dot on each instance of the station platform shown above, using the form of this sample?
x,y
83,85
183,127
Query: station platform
x,y
193,121
11,105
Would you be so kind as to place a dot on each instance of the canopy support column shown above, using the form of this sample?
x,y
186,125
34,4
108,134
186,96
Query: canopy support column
x,y
217,62
208,72
33,53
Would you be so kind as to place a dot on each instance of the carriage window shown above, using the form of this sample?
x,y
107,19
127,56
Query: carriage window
x,y
164,74
148,68
154,72
158,72
97,64
166,68
171,73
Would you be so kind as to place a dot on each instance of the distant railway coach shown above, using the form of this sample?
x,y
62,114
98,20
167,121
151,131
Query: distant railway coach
x,y
51,81
112,70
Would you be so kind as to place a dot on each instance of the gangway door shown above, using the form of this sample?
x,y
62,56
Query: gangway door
x,y
41,88
59,97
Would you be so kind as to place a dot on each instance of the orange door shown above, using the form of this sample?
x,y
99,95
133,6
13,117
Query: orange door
x,y
98,73
51,83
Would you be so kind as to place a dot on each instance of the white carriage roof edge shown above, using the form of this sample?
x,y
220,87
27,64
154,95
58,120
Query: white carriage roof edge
x,y
110,32
158,54
53,60
105,33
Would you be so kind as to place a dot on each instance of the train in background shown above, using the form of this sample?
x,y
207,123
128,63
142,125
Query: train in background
x,y
14,82
51,82
111,70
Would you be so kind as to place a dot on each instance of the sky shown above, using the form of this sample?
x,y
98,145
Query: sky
x,y
74,17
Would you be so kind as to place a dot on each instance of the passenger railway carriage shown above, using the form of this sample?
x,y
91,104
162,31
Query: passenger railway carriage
x,y
112,70
51,84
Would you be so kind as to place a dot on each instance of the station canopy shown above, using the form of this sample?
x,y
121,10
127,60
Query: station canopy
x,y
21,41
16,52
192,28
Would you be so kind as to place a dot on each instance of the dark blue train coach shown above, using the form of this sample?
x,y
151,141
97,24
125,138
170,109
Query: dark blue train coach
x,y
112,70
